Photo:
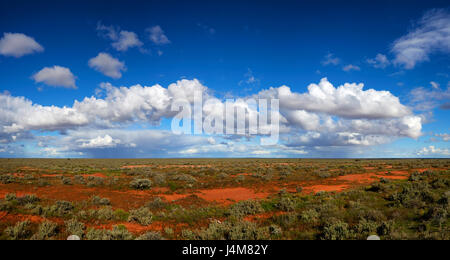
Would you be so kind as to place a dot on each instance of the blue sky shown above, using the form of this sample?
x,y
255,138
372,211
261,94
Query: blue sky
x,y
54,53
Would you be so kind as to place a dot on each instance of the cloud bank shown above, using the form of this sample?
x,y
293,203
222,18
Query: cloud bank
x,y
106,125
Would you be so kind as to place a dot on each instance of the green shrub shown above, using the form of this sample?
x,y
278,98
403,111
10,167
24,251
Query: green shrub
x,y
157,203
385,228
437,215
7,178
188,234
94,181
74,227
60,208
96,200
66,181
159,179
242,230
275,231
336,230
117,233
97,234
286,203
105,213
244,208
19,231
286,220
310,216
10,197
28,199
47,230
184,177
142,216
79,179
151,236
121,214
365,228
141,184
168,231
43,183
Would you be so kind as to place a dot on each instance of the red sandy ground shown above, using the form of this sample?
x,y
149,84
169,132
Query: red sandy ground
x,y
165,166
131,199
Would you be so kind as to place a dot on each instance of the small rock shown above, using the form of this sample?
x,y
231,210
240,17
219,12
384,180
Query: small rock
x,y
73,237
373,237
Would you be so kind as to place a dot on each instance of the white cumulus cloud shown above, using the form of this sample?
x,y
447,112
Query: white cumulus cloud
x,y
55,76
324,116
107,65
157,35
121,40
380,61
432,150
18,45
349,100
99,142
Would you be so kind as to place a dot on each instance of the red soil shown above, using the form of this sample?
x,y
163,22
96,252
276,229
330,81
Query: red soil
x,y
51,175
139,229
101,175
132,227
224,196
165,166
14,218
263,216
120,199
229,195
327,188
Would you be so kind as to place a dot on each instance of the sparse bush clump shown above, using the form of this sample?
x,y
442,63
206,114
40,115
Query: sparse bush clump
x,y
79,179
96,200
104,213
20,231
286,203
43,183
310,216
74,227
244,208
242,230
437,215
365,228
117,233
7,178
275,230
47,230
157,203
324,175
141,184
184,177
94,181
60,209
67,181
159,179
97,234
336,230
142,216
151,236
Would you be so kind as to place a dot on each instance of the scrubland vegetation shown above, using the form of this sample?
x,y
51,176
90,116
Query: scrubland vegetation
x,y
224,199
